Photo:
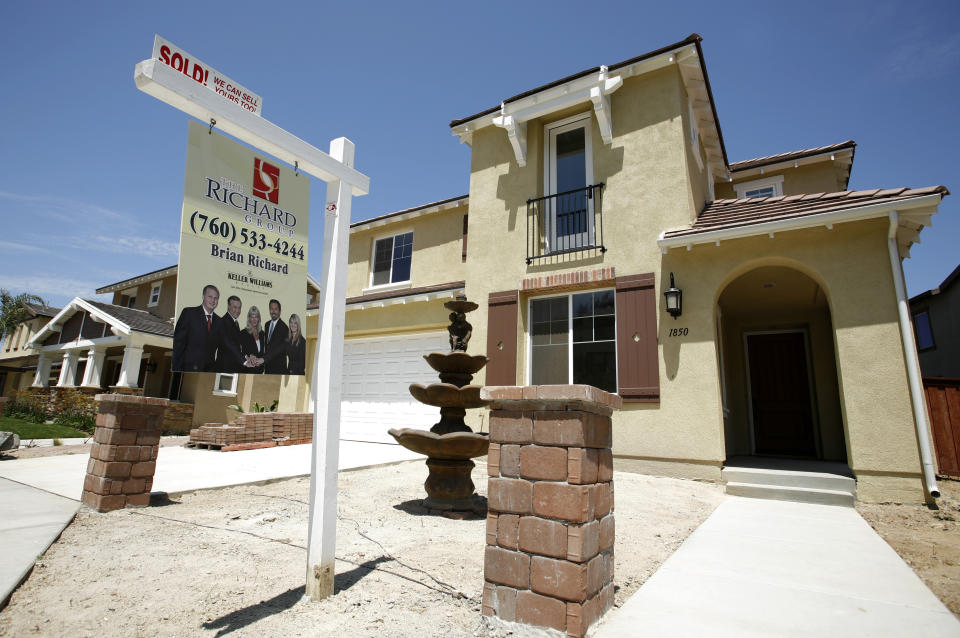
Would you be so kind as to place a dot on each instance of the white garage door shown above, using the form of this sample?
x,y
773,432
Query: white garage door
x,y
376,374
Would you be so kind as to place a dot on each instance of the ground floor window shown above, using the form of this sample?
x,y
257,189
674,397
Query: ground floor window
x,y
573,340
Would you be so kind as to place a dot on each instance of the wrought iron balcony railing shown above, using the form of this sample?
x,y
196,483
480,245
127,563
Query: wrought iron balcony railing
x,y
565,223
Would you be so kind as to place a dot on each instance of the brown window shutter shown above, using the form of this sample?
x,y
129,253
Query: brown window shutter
x,y
502,338
637,360
463,255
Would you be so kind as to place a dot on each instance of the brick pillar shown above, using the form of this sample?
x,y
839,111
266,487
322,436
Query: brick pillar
x,y
123,458
550,529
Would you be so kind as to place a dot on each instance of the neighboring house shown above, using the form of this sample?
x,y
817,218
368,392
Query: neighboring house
x,y
126,346
936,322
18,365
589,197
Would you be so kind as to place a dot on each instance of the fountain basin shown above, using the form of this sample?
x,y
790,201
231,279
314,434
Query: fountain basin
x,y
459,362
454,446
447,395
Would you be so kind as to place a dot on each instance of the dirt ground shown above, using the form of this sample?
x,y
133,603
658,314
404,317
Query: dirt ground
x,y
927,539
233,561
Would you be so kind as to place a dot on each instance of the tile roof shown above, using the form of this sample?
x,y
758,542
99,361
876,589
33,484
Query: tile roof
x,y
127,282
791,155
41,310
139,320
732,213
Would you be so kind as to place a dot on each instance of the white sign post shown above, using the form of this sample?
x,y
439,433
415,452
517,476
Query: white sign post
x,y
186,93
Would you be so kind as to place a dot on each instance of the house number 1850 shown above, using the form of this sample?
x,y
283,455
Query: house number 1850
x,y
679,332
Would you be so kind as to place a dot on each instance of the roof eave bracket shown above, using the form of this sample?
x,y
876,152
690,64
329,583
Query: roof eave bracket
x,y
517,134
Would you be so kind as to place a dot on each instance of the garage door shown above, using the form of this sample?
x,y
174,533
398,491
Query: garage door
x,y
376,374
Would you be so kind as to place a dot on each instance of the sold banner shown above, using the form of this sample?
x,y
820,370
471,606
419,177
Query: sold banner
x,y
242,277
205,75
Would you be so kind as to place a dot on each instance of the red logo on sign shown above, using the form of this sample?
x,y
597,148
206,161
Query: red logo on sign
x,y
266,181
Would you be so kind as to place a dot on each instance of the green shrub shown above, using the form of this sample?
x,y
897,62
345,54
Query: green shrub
x,y
27,406
78,420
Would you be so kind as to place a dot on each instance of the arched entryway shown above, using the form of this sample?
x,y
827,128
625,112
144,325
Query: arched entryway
x,y
779,377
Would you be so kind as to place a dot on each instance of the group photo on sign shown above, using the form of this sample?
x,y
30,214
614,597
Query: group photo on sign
x,y
241,297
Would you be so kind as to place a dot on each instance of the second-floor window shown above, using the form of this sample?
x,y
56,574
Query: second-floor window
x,y
154,294
766,187
391,259
924,331
568,170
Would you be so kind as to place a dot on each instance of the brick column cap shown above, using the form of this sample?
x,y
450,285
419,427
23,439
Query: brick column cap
x,y
129,398
549,397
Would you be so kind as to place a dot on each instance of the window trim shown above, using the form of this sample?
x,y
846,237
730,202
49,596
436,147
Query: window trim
x,y
392,285
550,131
776,181
585,120
528,328
233,386
158,285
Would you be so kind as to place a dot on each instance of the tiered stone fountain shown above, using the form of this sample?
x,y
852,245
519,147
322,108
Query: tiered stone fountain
x,y
450,444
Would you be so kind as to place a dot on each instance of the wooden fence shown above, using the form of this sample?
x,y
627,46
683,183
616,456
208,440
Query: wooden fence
x,y
943,404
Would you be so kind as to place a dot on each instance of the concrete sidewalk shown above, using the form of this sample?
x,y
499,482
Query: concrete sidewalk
x,y
39,497
774,568
181,469
30,520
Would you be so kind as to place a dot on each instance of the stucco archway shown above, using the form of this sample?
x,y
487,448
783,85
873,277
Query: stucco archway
x,y
778,366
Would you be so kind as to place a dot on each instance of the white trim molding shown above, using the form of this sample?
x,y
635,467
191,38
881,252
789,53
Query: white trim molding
x,y
776,181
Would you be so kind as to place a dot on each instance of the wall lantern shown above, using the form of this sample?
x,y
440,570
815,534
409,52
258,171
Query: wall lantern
x,y
674,298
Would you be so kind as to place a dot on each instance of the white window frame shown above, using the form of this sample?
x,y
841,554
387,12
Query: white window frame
x,y
232,392
155,287
776,181
569,295
393,285
550,132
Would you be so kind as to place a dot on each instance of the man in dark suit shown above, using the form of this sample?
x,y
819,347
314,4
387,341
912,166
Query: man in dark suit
x,y
276,332
195,335
229,358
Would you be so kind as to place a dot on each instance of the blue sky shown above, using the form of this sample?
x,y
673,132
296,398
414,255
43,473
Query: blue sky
x,y
91,174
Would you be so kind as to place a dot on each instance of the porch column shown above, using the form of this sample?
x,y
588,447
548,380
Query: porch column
x,y
68,371
130,368
42,378
94,369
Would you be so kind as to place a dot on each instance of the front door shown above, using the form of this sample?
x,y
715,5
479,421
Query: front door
x,y
780,394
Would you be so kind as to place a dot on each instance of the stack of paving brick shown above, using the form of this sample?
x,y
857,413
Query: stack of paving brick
x,y
123,458
293,427
550,527
217,434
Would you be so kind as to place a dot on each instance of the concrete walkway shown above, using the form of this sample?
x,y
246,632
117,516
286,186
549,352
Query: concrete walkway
x,y
40,496
181,469
774,568
30,520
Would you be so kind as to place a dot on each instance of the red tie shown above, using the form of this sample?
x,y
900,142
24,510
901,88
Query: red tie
x,y
208,323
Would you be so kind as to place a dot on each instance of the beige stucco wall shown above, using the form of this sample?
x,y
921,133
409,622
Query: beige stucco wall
x,y
165,304
652,184
822,177
437,250
851,264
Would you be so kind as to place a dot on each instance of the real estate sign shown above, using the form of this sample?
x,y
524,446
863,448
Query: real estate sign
x,y
241,284
205,75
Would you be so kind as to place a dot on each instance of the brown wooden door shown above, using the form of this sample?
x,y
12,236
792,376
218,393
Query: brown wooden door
x,y
780,394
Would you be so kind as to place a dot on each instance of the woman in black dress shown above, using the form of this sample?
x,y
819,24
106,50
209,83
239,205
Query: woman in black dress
x,y
252,343
296,347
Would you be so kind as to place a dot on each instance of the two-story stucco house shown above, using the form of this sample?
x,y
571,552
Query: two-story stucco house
x,y
593,196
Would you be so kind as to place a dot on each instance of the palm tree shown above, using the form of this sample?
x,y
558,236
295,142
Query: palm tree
x,y
14,310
